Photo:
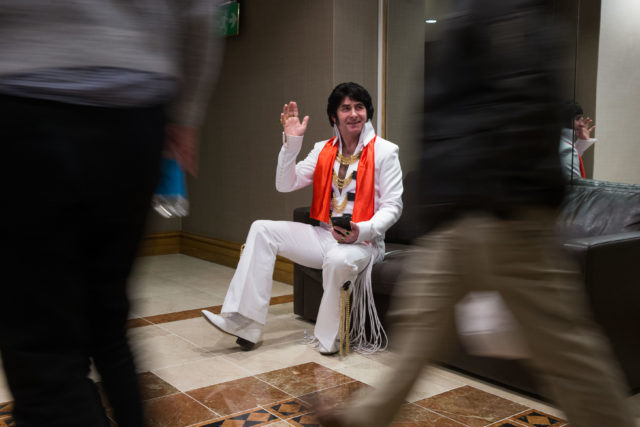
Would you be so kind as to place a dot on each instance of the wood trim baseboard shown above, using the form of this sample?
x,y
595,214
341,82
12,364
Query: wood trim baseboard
x,y
160,244
215,250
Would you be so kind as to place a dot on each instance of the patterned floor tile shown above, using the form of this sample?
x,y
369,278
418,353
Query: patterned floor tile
x,y
411,415
252,418
471,406
238,395
6,420
334,396
176,410
5,409
289,408
152,386
303,379
307,420
507,423
533,418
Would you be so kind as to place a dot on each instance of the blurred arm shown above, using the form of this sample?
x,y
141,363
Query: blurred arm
x,y
199,62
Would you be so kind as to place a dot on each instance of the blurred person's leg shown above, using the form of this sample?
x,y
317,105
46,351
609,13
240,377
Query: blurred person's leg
x,y
119,209
521,259
541,286
62,157
421,317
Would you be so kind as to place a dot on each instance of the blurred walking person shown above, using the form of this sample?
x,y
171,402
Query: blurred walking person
x,y
90,91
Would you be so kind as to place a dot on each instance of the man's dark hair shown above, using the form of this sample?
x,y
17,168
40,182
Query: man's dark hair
x,y
353,91
570,110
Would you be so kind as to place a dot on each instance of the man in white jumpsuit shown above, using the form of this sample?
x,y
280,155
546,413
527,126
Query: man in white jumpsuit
x,y
355,174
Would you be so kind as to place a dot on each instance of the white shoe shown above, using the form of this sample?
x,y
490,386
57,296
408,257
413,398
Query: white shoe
x,y
245,329
328,351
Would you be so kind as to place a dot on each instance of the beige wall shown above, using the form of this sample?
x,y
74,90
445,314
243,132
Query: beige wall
x,y
158,224
618,94
586,66
287,50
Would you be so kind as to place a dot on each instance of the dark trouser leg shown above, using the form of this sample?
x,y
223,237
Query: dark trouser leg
x,y
81,180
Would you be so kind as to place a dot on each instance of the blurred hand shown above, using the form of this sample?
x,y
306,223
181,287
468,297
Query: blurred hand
x,y
291,122
345,236
584,127
182,144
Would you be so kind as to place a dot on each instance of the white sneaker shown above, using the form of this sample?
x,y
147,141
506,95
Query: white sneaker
x,y
247,331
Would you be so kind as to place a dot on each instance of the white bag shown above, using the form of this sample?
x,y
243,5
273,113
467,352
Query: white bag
x,y
487,327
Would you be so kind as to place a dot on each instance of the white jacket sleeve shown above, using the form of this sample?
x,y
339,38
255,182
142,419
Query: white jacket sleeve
x,y
389,199
289,175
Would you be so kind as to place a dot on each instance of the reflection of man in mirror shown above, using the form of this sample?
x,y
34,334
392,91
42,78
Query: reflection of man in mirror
x,y
574,142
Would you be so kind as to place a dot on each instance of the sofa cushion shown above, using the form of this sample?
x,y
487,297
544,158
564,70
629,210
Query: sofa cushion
x,y
385,274
596,208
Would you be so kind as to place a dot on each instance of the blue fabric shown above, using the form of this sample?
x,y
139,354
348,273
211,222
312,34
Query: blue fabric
x,y
172,181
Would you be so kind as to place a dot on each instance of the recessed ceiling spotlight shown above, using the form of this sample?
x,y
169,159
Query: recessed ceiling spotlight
x,y
431,21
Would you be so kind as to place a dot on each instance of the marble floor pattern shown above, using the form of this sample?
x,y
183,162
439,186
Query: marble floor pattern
x,y
193,375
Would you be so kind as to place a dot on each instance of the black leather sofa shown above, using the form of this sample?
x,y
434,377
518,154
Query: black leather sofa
x,y
601,224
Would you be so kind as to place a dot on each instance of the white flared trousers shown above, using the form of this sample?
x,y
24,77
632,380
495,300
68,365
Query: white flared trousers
x,y
312,246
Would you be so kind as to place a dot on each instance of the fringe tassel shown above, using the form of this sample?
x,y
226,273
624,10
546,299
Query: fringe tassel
x,y
345,318
354,334
364,308
342,316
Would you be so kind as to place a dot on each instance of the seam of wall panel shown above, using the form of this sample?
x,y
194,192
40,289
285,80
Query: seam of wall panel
x,y
333,44
380,103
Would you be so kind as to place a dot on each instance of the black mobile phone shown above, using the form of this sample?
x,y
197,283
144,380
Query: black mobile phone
x,y
341,221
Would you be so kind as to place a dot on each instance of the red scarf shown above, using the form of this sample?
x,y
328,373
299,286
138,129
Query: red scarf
x,y
363,206
582,173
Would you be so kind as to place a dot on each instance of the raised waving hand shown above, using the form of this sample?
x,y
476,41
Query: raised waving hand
x,y
291,122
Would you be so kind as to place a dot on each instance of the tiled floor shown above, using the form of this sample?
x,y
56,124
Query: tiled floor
x,y
193,375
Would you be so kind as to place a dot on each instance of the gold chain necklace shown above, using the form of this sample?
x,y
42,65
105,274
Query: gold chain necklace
x,y
341,182
348,160
339,208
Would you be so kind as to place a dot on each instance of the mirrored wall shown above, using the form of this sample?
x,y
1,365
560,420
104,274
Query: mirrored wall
x,y
601,88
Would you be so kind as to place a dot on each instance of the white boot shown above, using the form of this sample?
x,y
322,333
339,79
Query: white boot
x,y
247,330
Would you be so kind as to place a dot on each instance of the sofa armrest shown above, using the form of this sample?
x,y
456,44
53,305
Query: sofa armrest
x,y
609,264
610,239
611,268
301,280
302,214
617,249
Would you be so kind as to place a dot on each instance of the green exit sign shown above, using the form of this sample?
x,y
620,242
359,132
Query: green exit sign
x,y
228,19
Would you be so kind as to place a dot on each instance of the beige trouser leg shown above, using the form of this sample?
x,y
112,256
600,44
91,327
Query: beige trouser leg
x,y
521,260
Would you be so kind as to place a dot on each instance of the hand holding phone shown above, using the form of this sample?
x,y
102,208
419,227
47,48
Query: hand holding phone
x,y
342,222
344,231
